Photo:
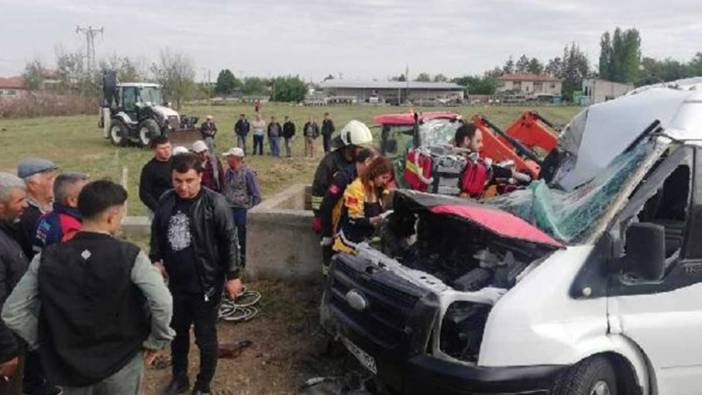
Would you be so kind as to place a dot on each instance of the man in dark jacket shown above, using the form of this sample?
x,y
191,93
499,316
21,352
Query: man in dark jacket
x,y
288,134
311,132
208,130
64,221
103,309
194,240
241,129
156,174
38,176
354,135
274,133
327,131
13,264
212,170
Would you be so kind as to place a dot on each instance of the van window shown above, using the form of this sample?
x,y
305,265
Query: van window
x,y
664,198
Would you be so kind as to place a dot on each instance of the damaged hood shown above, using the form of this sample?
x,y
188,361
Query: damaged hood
x,y
603,131
490,219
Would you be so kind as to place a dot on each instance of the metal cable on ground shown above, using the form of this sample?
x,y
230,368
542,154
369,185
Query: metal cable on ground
x,y
241,309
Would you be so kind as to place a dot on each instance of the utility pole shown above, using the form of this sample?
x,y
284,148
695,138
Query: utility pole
x,y
90,33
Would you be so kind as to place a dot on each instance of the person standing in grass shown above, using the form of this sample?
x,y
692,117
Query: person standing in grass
x,y
208,130
242,193
311,132
95,307
288,135
327,131
241,130
156,174
259,127
274,133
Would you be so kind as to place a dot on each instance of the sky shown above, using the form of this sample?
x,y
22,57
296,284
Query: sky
x,y
351,39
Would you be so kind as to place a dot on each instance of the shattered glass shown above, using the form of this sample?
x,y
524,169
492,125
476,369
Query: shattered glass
x,y
571,216
437,132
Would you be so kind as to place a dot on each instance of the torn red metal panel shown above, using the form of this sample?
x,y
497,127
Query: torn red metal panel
x,y
499,222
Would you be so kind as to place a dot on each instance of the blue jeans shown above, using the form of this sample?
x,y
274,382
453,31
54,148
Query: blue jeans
x,y
273,141
241,142
258,142
239,215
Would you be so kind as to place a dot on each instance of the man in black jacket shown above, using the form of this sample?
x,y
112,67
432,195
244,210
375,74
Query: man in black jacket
x,y
288,134
194,241
327,131
38,175
208,130
156,174
13,264
241,129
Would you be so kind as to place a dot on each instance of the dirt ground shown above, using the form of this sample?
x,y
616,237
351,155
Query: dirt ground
x,y
288,347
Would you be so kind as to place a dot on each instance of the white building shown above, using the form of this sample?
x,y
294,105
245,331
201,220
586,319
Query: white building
x,y
598,91
529,86
392,91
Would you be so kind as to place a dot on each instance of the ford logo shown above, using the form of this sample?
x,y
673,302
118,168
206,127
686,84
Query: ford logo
x,y
356,300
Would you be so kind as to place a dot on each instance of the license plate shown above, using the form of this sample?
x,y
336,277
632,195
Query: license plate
x,y
363,357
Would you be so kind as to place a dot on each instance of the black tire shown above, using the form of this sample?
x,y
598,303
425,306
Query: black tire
x,y
118,133
593,376
147,130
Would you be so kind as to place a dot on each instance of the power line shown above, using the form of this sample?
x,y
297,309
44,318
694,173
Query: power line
x,y
90,33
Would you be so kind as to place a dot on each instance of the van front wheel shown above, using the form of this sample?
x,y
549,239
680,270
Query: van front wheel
x,y
593,376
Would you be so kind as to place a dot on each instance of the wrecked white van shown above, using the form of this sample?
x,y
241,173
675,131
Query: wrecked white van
x,y
589,285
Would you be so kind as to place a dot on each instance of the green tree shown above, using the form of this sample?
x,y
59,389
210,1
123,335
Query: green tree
x,y
226,83
254,86
175,71
423,77
554,67
508,68
399,78
575,69
476,85
289,89
33,75
440,78
522,64
535,67
620,56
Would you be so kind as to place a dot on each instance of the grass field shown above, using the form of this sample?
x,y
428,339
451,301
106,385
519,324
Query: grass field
x,y
76,143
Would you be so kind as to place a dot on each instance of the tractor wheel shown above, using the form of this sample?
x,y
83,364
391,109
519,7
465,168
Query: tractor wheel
x,y
148,130
593,376
118,133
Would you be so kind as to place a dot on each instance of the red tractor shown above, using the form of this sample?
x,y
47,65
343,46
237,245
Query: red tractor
x,y
421,146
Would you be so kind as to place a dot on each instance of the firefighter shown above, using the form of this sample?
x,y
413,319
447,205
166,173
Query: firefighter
x,y
350,140
479,172
330,209
363,205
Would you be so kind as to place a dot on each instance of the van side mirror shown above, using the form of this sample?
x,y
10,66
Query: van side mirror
x,y
645,252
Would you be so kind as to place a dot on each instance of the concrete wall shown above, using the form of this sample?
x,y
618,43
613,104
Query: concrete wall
x,y
281,244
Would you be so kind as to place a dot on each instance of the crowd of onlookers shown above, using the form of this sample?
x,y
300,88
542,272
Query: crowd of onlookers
x,y
276,133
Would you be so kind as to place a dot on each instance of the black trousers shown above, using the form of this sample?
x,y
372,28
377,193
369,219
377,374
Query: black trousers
x,y
326,139
34,382
192,310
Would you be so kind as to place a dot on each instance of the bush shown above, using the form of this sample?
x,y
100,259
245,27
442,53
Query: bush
x,y
46,104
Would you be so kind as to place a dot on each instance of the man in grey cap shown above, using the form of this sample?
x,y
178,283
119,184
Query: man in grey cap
x,y
38,175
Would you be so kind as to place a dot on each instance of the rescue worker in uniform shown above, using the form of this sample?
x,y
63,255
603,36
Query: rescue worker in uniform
x,y
363,206
354,135
330,209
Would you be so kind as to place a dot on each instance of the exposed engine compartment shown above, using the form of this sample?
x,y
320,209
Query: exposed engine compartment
x,y
466,258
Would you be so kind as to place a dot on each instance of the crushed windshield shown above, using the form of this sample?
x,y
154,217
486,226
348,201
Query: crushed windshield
x,y
571,216
151,95
437,131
